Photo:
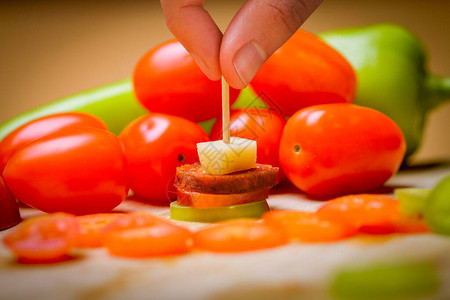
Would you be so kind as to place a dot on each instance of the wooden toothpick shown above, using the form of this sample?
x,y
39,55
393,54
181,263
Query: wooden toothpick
x,y
226,111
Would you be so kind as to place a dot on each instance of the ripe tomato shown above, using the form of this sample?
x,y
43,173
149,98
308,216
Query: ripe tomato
x,y
167,80
375,214
45,238
145,235
155,145
9,212
238,236
92,229
262,125
309,227
305,71
41,127
77,171
334,149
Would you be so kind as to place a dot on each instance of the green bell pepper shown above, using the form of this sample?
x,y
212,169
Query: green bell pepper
x,y
114,103
390,65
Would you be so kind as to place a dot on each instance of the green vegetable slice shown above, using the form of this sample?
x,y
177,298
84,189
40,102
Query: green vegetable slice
x,y
216,214
386,282
437,208
412,200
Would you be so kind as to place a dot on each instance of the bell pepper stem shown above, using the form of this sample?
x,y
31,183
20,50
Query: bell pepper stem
x,y
439,90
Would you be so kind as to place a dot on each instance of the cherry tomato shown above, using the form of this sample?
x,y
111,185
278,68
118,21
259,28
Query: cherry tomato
x,y
263,126
308,226
203,200
238,236
373,214
167,80
145,235
41,127
336,149
9,212
92,229
216,214
305,71
45,238
155,145
77,171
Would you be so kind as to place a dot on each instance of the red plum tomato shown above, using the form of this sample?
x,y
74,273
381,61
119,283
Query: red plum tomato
x,y
335,149
43,126
304,71
77,171
262,125
167,80
155,145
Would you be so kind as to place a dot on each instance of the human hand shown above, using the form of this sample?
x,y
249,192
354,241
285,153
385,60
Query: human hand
x,y
257,30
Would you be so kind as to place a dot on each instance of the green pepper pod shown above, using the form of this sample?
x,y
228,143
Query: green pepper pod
x,y
390,65
114,103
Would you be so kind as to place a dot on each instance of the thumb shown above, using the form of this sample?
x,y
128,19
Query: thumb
x,y
256,32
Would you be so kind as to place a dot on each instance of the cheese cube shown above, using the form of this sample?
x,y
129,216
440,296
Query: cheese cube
x,y
219,158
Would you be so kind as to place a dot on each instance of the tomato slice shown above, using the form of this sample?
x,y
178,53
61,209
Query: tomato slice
x,y
141,235
203,200
92,227
372,214
308,226
42,239
238,236
216,214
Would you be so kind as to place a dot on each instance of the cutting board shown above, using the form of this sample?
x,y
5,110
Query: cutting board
x,y
294,271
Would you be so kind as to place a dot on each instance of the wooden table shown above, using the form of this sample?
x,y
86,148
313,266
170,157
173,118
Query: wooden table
x,y
295,271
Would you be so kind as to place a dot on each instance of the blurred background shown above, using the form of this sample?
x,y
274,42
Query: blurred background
x,y
51,49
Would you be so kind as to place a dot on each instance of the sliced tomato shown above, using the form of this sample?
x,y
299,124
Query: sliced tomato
x,y
238,236
145,235
215,214
92,229
42,239
308,226
370,213
203,200
408,224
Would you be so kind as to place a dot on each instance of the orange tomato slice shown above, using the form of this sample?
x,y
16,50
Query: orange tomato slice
x,y
238,235
92,227
202,200
370,213
308,226
43,239
145,235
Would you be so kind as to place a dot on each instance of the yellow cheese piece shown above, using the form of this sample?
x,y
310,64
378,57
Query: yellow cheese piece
x,y
219,158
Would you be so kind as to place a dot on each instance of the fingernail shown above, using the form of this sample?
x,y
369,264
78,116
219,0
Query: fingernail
x,y
248,60
200,63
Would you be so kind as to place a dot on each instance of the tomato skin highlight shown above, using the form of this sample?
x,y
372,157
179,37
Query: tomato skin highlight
x,y
304,71
336,149
238,235
261,125
155,145
44,126
77,171
308,226
167,80
43,239
139,235
9,211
